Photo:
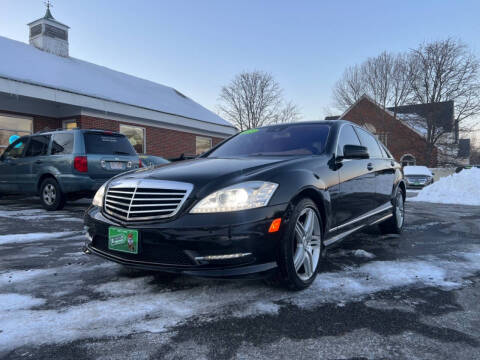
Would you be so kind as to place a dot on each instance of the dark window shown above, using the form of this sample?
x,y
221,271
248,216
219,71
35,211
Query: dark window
x,y
280,140
107,144
15,150
55,32
347,137
371,143
389,154
38,145
385,152
36,30
62,144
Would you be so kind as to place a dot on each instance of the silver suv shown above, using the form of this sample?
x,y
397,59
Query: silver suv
x,y
64,165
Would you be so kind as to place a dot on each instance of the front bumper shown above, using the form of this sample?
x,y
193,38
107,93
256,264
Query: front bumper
x,y
181,245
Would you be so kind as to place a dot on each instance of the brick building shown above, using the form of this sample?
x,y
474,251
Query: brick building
x,y
43,88
398,132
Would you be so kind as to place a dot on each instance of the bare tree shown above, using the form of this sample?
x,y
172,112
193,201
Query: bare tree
x,y
288,113
445,71
349,88
254,99
385,78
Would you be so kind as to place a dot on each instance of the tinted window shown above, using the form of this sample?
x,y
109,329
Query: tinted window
x,y
38,145
385,150
107,144
347,137
281,140
371,143
62,144
15,150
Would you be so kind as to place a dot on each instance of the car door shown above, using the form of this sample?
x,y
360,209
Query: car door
x,y
385,176
9,163
356,182
377,165
34,159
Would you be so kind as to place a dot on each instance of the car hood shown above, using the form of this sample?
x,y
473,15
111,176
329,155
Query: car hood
x,y
208,172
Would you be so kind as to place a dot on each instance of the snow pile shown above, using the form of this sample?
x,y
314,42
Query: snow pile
x,y
462,188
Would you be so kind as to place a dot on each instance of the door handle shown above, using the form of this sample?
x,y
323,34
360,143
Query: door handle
x,y
370,166
38,162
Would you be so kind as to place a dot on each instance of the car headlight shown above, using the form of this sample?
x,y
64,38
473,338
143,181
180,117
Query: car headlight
x,y
247,195
98,198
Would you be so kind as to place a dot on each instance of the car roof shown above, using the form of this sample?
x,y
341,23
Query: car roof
x,y
60,131
312,122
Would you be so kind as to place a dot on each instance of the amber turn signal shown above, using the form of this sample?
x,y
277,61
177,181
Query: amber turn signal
x,y
275,225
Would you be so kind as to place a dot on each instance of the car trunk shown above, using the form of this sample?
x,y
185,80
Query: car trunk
x,y
108,154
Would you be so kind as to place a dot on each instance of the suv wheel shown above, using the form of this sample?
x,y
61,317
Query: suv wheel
x,y
302,245
51,195
394,225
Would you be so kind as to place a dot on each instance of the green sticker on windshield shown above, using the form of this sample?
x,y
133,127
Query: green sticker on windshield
x,y
251,131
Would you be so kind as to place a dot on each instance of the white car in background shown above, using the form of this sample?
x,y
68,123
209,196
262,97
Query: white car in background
x,y
417,177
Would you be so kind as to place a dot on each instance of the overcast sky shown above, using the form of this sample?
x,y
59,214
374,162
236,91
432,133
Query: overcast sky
x,y
198,46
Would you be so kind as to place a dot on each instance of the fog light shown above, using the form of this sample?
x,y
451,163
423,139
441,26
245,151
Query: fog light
x,y
275,225
222,257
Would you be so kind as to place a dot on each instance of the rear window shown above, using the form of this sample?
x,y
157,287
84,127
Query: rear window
x,y
107,144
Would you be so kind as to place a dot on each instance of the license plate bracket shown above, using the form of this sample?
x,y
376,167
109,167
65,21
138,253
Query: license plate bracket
x,y
123,240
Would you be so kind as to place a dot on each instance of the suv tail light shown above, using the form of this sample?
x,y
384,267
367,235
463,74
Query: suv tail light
x,y
80,163
139,162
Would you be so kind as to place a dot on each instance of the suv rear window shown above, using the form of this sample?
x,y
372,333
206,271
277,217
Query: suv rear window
x,y
107,144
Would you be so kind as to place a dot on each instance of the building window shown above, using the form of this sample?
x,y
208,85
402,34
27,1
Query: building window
x,y
408,160
70,124
136,136
203,144
12,127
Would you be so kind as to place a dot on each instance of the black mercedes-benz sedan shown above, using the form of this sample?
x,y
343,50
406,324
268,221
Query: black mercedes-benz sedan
x,y
265,201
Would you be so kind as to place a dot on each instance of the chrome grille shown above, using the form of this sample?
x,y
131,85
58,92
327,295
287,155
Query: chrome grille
x,y
422,179
144,200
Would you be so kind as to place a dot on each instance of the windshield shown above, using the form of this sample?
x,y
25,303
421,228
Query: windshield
x,y
107,144
281,140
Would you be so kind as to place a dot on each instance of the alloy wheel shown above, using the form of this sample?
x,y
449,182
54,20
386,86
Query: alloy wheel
x,y
49,194
399,209
307,245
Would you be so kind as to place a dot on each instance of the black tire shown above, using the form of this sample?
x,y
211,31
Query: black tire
x,y
394,225
292,245
51,196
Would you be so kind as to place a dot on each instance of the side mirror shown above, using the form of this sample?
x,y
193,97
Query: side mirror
x,y
355,152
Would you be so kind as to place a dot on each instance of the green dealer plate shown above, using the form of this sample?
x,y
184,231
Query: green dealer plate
x,y
125,240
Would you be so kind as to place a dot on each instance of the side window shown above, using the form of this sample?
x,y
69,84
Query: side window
x,y
347,137
38,145
15,150
371,143
389,154
62,144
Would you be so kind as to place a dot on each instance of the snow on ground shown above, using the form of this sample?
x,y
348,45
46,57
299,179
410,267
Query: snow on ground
x,y
462,188
16,302
26,238
135,305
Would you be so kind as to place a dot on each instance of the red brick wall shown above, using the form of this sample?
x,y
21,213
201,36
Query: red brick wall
x,y
401,139
161,142
44,124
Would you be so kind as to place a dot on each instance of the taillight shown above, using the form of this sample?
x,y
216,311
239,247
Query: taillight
x,y
80,163
139,162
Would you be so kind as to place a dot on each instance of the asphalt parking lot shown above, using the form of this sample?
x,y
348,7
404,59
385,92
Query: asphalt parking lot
x,y
409,296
